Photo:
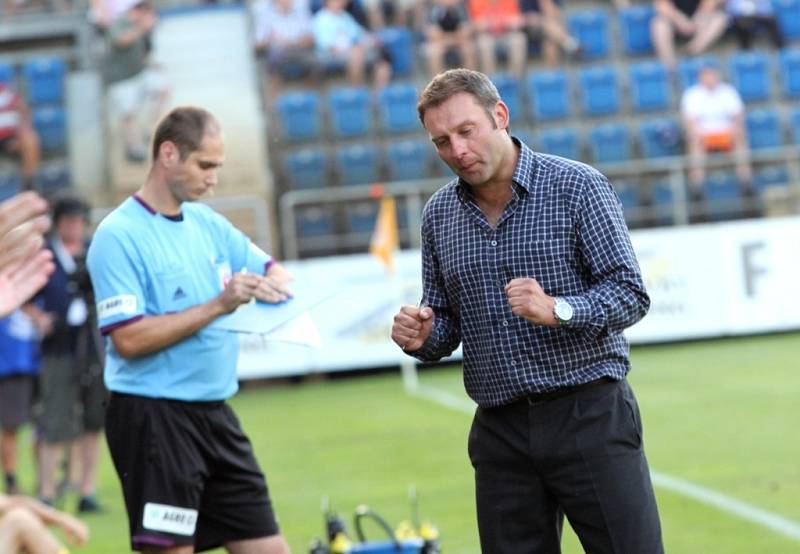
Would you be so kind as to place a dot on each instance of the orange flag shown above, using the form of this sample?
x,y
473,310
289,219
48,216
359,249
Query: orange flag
x,y
385,237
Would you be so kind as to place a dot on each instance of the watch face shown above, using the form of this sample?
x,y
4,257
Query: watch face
x,y
563,311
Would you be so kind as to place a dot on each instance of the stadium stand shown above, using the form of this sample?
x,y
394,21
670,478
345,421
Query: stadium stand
x,y
44,80
635,25
50,123
314,221
350,111
660,137
306,168
357,164
562,142
7,73
689,68
299,115
795,124
750,75
510,92
764,129
790,72
649,86
408,160
548,95
610,143
788,12
398,108
723,199
590,29
360,216
400,44
599,90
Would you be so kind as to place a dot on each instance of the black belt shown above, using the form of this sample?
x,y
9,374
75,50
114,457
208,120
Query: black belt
x,y
541,397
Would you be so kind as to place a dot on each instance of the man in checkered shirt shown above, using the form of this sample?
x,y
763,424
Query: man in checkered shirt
x,y
526,260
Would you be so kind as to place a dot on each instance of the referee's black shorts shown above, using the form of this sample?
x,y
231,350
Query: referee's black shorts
x,y
188,473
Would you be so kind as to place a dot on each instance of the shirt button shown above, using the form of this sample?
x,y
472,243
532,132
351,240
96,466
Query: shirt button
x,y
494,243
505,323
513,362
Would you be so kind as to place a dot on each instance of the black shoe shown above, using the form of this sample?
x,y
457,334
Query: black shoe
x,y
89,505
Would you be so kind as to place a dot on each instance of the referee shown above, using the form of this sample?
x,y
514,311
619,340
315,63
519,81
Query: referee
x,y
164,267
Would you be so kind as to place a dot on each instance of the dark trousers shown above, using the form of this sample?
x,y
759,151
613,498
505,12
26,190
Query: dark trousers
x,y
579,455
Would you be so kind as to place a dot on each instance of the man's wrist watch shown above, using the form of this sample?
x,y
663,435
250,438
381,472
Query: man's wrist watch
x,y
562,311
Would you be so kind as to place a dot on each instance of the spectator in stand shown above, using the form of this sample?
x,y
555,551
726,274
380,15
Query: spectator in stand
x,y
342,42
23,527
105,12
354,8
400,13
544,18
749,17
19,365
713,116
283,37
500,22
700,21
136,84
17,134
448,30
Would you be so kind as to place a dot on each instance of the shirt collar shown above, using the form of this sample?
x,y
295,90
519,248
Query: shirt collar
x,y
522,177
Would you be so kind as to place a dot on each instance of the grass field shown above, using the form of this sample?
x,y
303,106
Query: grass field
x,y
724,415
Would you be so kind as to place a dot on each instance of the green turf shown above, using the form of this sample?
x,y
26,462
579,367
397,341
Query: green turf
x,y
722,414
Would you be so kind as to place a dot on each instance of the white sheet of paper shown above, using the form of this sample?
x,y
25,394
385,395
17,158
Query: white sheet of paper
x,y
301,330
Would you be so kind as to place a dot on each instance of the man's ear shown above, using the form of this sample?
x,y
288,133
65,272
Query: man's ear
x,y
168,154
501,115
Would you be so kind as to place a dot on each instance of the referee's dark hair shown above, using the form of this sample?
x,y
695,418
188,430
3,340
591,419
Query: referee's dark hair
x,y
185,127
69,206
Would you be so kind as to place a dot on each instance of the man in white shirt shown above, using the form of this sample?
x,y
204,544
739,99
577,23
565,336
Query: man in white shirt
x,y
713,116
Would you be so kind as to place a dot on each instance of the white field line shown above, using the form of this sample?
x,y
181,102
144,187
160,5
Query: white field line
x,y
703,495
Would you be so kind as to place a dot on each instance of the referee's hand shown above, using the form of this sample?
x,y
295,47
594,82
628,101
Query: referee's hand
x,y
241,289
412,326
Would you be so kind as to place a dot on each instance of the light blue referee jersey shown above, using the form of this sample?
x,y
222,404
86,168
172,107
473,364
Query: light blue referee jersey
x,y
146,264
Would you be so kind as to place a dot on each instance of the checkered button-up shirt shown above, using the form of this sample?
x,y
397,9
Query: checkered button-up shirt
x,y
563,227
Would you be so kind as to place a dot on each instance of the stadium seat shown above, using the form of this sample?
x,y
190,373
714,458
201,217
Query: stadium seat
x,y
548,95
788,13
795,127
408,160
7,73
590,28
398,107
763,129
51,125
306,169
299,115
350,113
53,178
399,42
360,216
771,176
635,24
560,142
790,72
314,221
688,68
628,194
750,75
662,200
599,90
610,143
357,164
509,88
650,86
524,135
44,80
10,184
722,195
660,137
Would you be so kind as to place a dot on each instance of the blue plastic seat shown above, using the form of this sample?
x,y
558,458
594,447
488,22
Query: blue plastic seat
x,y
10,184
509,88
548,95
723,195
299,115
788,14
51,124
599,90
361,216
610,143
399,42
398,107
790,72
590,28
771,176
750,76
7,73
628,194
44,80
357,164
794,123
314,221
689,68
662,200
764,129
53,178
306,169
635,24
350,113
408,160
650,86
560,142
660,137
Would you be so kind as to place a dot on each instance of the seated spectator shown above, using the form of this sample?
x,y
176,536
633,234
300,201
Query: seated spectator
x,y
23,528
701,22
500,22
342,42
749,17
713,116
17,135
544,18
448,30
400,13
284,38
136,84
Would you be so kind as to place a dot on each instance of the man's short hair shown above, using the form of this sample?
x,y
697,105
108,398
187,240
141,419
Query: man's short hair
x,y
185,127
69,206
454,81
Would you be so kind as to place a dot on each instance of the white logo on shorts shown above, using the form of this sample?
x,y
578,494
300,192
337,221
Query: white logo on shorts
x,y
171,519
122,304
